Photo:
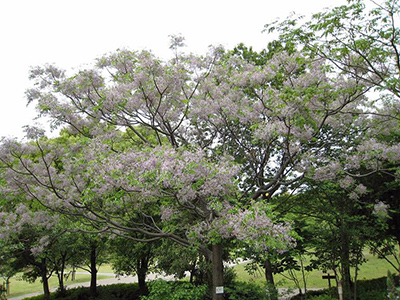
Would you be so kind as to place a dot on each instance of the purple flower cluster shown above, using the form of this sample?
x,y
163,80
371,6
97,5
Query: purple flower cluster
x,y
252,226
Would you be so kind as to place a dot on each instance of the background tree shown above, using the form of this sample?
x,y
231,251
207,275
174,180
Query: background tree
x,y
173,259
133,258
30,237
91,251
339,229
359,41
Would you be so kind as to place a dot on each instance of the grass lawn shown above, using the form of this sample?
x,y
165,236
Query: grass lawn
x,y
106,268
19,287
372,268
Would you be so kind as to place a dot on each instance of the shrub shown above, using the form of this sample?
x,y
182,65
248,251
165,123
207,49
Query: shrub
x,y
318,294
174,290
393,286
324,297
245,290
163,290
121,291
372,289
366,289
230,276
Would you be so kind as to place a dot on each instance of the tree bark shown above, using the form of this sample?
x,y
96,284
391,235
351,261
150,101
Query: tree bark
x,y
217,271
303,274
345,263
269,277
46,289
142,268
45,281
60,273
93,270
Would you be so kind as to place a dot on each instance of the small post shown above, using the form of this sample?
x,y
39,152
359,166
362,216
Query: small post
x,y
329,277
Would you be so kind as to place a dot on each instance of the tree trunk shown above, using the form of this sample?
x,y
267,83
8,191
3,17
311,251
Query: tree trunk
x,y
142,268
61,286
8,285
93,270
269,277
217,271
60,273
143,290
355,282
45,280
46,289
345,264
303,274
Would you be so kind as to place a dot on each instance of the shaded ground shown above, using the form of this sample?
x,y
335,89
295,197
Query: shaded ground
x,y
108,281
286,293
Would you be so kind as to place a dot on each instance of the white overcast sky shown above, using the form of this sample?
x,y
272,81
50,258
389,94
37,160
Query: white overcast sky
x,y
70,33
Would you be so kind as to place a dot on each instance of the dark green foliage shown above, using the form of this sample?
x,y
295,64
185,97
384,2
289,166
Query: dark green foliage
x,y
174,259
163,290
120,291
393,286
176,290
319,294
375,289
230,277
326,297
372,289
245,290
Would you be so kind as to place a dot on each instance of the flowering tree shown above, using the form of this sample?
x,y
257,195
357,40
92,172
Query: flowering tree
x,y
191,126
137,194
362,45
277,116
29,238
274,118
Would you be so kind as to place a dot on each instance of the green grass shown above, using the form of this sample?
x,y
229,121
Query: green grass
x,y
19,287
372,268
106,268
